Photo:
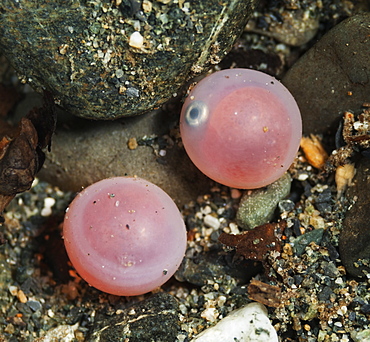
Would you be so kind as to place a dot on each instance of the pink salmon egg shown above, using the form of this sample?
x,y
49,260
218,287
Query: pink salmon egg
x,y
124,236
241,127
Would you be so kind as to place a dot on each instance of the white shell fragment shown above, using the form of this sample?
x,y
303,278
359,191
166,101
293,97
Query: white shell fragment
x,y
136,40
248,324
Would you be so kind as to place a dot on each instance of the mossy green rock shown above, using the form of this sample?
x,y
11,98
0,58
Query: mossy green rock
x,y
257,207
84,53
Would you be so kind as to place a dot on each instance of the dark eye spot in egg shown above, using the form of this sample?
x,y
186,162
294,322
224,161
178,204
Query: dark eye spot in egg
x,y
196,114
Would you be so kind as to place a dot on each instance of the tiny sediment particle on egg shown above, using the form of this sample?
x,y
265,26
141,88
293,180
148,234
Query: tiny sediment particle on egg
x,y
122,233
241,127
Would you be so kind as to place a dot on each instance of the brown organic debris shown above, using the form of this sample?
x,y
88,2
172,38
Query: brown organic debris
x,y
21,155
263,293
256,243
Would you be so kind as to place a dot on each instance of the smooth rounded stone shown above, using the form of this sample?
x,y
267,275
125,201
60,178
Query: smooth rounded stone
x,y
84,152
247,324
155,319
333,76
354,241
257,207
109,59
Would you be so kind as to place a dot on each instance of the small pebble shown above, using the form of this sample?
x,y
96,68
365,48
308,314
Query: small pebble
x,y
361,336
212,222
132,144
248,324
258,206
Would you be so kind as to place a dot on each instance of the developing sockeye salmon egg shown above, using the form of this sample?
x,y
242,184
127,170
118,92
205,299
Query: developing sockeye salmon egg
x,y
124,235
241,128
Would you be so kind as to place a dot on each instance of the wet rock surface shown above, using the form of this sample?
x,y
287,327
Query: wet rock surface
x,y
354,243
154,320
84,152
105,60
333,76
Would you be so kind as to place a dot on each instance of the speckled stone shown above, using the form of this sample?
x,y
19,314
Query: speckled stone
x,y
257,206
153,320
333,76
109,59
354,241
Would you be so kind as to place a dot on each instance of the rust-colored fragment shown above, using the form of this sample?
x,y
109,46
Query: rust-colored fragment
x,y
263,293
256,243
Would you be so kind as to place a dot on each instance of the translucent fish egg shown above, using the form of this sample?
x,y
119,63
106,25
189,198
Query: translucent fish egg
x,y
124,235
241,128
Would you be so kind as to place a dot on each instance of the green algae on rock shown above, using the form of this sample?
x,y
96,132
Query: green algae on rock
x,y
104,59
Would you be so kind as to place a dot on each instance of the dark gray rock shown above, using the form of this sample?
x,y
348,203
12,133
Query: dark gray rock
x,y
354,241
84,152
333,76
222,268
302,241
84,52
153,320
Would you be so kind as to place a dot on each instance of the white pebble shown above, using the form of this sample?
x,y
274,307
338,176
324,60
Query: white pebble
x,y
211,222
234,229
210,314
302,177
248,324
48,203
136,40
63,333
206,210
